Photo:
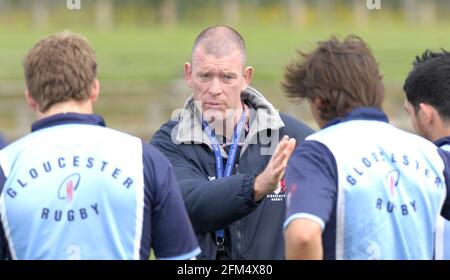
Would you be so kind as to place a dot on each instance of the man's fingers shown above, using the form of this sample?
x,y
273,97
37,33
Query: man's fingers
x,y
287,148
279,172
280,158
281,162
290,147
284,149
280,147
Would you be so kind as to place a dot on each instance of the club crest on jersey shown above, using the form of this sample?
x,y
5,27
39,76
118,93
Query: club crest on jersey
x,y
281,187
391,205
68,186
393,177
279,193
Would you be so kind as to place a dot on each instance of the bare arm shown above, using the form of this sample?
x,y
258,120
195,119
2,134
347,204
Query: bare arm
x,y
303,239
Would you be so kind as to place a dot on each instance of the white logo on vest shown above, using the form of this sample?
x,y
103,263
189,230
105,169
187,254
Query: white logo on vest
x,y
279,194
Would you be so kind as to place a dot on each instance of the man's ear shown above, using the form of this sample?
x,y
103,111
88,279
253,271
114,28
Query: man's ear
x,y
30,101
427,114
188,73
95,91
248,74
316,104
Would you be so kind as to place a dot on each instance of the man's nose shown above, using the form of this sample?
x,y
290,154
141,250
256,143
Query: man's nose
x,y
215,88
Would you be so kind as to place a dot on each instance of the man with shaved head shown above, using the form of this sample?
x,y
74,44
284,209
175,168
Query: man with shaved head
x,y
229,147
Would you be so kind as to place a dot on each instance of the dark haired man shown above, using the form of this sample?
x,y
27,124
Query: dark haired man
x,y
359,188
74,189
427,102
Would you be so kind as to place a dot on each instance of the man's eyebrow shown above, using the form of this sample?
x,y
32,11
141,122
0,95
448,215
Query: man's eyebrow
x,y
205,71
229,73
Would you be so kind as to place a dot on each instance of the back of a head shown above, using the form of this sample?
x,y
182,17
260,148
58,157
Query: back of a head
x,y
344,75
219,41
429,82
59,68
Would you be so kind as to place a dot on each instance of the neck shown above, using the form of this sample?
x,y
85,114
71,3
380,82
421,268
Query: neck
x,y
440,133
71,106
226,127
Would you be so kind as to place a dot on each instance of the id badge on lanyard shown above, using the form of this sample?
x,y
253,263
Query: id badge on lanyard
x,y
220,172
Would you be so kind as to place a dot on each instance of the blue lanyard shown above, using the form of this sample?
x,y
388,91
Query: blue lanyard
x,y
231,156
233,149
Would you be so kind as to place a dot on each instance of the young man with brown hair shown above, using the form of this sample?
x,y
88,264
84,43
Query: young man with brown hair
x,y
74,189
359,188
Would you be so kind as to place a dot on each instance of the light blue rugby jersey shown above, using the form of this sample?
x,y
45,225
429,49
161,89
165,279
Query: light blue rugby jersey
x,y
377,191
443,225
3,142
74,189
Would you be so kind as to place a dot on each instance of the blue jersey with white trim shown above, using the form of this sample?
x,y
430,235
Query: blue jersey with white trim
x,y
443,225
377,191
3,142
74,189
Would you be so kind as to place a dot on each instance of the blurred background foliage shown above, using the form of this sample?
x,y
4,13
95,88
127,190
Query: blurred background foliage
x,y
141,47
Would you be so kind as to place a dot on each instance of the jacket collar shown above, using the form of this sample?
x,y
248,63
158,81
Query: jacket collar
x,y
442,141
263,116
361,113
67,118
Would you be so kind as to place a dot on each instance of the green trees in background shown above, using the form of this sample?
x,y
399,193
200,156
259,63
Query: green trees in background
x,y
168,11
40,11
105,13
104,10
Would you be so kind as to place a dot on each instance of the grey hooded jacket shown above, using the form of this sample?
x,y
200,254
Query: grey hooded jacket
x,y
253,230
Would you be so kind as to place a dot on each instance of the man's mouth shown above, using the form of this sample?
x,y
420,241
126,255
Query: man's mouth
x,y
214,104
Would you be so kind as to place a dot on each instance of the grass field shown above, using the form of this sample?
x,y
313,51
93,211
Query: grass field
x,y
151,54
141,69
